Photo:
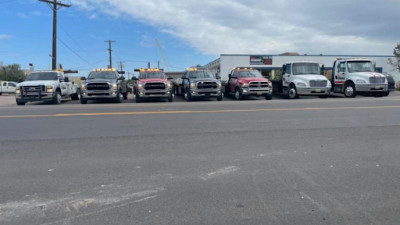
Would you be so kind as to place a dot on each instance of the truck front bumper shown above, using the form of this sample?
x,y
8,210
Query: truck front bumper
x,y
99,94
314,91
256,92
208,93
34,97
371,87
164,93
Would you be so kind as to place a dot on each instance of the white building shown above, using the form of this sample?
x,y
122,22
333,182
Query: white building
x,y
270,65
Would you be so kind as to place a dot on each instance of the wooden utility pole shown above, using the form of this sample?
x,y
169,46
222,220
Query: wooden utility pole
x,y
110,51
55,6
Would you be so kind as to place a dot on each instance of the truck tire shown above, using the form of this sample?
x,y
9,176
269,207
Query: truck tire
x,y
220,97
171,98
125,95
238,94
75,96
292,92
57,98
188,96
268,97
350,90
83,101
137,98
20,103
119,97
386,93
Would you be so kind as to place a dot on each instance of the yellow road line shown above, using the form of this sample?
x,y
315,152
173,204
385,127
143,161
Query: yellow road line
x,y
200,111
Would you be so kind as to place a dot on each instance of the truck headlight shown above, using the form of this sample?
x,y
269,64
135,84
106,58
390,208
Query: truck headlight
x,y
301,84
269,83
49,89
17,90
114,87
192,85
83,87
219,85
140,86
359,81
244,85
168,85
329,84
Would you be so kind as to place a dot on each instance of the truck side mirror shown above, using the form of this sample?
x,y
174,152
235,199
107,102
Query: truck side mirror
x,y
230,76
20,80
66,79
170,78
218,77
183,77
134,78
322,69
283,69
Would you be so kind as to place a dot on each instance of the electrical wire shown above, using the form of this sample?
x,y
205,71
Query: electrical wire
x,y
62,42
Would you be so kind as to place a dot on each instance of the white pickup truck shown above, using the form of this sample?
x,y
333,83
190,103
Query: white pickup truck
x,y
302,78
7,87
352,75
46,86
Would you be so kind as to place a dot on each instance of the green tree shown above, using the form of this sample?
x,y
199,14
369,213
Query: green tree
x,y
12,73
396,53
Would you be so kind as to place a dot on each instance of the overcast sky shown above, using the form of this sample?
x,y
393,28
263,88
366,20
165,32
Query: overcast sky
x,y
269,26
194,32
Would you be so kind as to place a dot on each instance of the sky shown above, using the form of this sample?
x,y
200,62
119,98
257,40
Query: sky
x,y
192,32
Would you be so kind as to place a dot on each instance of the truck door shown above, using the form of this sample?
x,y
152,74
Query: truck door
x,y
11,87
233,81
63,84
287,77
4,87
339,76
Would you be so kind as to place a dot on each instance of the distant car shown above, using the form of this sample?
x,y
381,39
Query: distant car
x,y
7,87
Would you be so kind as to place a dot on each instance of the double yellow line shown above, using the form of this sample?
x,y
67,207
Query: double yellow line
x,y
195,112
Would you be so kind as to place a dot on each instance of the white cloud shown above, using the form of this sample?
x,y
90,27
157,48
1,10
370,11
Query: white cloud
x,y
93,16
5,36
252,26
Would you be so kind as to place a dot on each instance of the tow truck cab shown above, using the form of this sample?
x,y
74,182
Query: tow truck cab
x,y
356,75
248,82
152,83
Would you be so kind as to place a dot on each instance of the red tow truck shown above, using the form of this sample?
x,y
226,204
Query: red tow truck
x,y
248,82
152,83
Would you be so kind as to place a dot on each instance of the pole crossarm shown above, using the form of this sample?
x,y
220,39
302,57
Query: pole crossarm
x,y
56,3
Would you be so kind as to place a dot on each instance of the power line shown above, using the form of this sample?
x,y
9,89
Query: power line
x,y
62,42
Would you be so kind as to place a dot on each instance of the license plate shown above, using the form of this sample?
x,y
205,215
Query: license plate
x,y
259,93
377,87
318,90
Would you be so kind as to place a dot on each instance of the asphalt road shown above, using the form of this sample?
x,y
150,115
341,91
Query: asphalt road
x,y
308,161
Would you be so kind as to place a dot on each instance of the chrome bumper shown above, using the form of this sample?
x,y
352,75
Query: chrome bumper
x,y
314,91
371,87
99,94
163,93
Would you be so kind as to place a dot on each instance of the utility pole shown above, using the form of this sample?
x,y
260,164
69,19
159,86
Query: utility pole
x,y
55,6
110,51
121,65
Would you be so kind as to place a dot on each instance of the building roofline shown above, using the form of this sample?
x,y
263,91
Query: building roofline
x,y
384,56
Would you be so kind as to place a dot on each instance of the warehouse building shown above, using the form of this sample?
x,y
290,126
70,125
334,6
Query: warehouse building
x,y
270,65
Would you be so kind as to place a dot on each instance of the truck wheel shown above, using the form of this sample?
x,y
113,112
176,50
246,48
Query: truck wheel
x,y
171,98
125,95
292,92
386,93
188,96
137,98
57,98
238,94
350,91
75,96
20,103
119,97
220,97
268,97
83,101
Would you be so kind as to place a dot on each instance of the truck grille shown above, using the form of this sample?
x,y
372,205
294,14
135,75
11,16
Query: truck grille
x,y
34,88
377,80
207,85
318,83
258,84
154,86
98,87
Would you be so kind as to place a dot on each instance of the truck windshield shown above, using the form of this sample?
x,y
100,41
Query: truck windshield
x,y
250,73
43,76
306,68
102,75
200,74
151,75
360,66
